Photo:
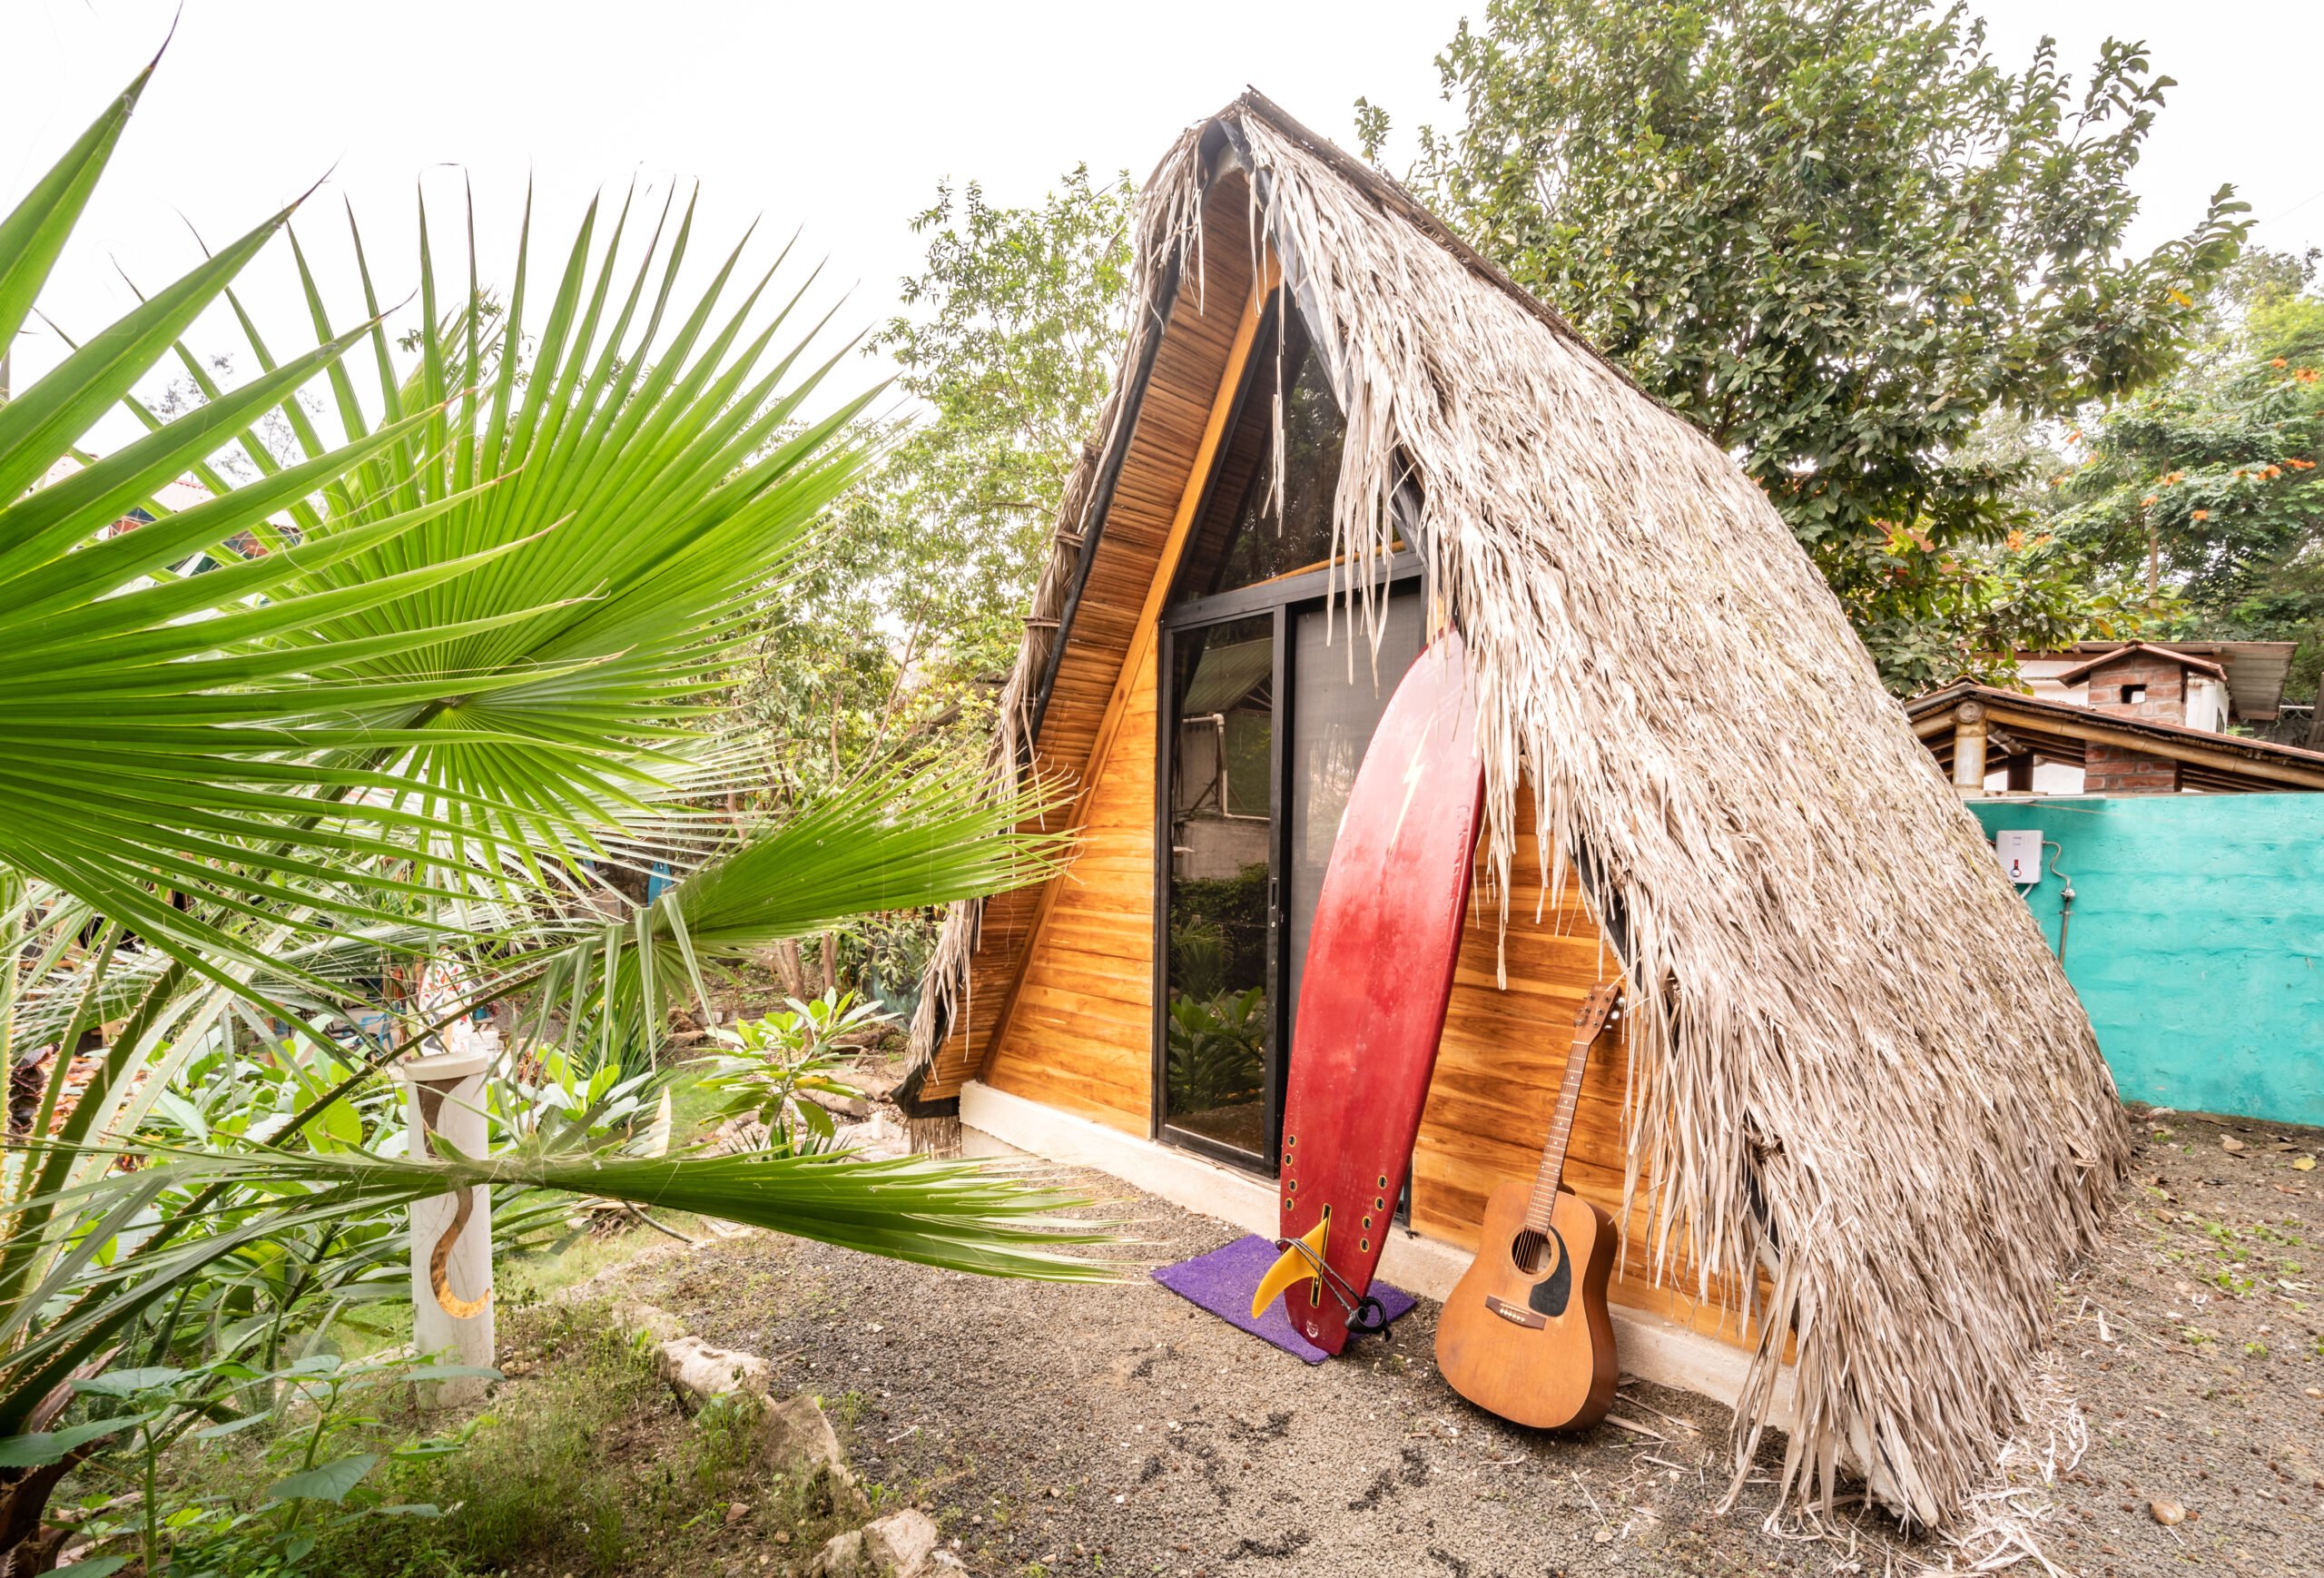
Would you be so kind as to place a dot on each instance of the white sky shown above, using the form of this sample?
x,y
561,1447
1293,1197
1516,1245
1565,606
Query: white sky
x,y
840,119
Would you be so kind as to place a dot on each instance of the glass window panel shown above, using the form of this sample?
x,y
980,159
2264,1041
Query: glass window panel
x,y
1221,829
1246,535
1333,719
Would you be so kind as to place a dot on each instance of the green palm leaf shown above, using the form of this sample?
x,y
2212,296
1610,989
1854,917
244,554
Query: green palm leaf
x,y
647,461
959,1215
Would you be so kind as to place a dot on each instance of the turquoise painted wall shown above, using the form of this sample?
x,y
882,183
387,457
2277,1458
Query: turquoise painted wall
x,y
2197,942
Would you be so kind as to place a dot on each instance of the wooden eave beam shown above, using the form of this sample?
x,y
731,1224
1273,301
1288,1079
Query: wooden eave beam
x,y
2227,760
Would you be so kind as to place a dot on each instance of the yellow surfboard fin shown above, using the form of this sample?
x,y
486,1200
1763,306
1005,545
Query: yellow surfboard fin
x,y
1294,1266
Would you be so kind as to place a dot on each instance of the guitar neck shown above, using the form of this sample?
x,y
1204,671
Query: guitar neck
x,y
1586,1030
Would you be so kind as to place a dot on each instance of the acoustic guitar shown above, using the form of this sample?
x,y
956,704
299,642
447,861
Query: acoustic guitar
x,y
1525,1335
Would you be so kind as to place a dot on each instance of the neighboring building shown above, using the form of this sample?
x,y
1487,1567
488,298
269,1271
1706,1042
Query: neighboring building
x,y
2190,924
2120,718
2254,672
2192,929
1995,742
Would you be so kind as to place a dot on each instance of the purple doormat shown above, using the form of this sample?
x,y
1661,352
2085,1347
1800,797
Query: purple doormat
x,y
1223,1281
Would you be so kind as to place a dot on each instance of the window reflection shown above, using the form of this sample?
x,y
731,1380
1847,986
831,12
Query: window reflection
x,y
1221,818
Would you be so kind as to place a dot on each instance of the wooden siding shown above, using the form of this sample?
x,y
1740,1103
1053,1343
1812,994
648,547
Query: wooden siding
x,y
1081,1033
1178,418
1498,1070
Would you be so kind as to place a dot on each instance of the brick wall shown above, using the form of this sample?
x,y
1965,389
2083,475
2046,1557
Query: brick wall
x,y
2165,682
2112,770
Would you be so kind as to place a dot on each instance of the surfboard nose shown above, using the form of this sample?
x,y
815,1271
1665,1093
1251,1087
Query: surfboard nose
x,y
1294,1265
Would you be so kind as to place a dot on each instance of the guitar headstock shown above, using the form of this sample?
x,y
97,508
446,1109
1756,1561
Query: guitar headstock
x,y
1599,1009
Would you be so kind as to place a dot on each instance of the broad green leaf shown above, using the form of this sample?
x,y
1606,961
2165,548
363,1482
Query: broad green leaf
x,y
93,1567
330,1482
56,1446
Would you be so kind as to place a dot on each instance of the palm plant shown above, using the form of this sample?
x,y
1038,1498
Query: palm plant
x,y
432,686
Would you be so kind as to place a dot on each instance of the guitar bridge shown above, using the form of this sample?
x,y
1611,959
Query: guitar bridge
x,y
1516,1314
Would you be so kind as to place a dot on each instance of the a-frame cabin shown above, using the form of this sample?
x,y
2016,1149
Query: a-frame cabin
x,y
1333,416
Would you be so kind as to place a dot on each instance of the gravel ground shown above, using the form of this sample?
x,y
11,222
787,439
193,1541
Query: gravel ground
x,y
1117,1429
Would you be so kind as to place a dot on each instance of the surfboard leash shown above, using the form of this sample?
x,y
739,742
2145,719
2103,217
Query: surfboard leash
x,y
1366,1315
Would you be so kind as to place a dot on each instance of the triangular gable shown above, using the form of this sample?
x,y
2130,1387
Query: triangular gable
x,y
1142,491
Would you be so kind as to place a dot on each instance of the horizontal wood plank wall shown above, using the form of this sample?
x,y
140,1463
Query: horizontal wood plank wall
x,y
1156,470
1498,1071
1081,1034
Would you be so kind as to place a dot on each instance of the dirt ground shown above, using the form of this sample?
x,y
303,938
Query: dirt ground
x,y
1119,1430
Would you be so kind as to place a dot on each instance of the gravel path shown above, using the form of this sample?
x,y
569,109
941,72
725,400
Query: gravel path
x,y
1117,1429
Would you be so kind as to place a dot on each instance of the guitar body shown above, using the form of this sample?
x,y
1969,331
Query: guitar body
x,y
1535,1346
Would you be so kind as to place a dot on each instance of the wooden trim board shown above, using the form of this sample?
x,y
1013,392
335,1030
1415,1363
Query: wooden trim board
x,y
1149,618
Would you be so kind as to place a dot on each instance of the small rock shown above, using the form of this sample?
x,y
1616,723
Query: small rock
x,y
799,1442
637,1320
2316,1391
904,1541
2167,1512
702,1372
737,1511
2229,1142
841,1557
900,1545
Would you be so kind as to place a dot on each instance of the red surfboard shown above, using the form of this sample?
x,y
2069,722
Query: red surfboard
x,y
1372,998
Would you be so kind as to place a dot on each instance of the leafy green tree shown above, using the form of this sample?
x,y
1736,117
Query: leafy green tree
x,y
1833,232
2207,486
1007,346
1011,339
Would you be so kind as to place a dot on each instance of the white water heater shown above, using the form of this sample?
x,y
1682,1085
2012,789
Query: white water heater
x,y
2019,850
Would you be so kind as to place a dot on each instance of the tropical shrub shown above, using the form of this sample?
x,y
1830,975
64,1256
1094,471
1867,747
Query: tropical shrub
x,y
780,1062
1216,1054
430,690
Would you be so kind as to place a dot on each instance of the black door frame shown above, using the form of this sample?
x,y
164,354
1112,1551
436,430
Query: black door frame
x,y
1282,599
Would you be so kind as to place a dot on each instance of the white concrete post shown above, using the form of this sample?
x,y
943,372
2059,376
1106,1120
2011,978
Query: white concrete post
x,y
451,1257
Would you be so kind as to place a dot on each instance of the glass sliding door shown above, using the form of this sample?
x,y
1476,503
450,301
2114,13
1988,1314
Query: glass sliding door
x,y
1220,998
1334,713
1264,723
1267,728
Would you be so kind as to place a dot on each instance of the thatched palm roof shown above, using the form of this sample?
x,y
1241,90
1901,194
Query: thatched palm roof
x,y
1856,1063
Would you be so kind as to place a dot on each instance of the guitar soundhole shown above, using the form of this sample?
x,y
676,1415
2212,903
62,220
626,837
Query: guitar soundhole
x,y
1532,1252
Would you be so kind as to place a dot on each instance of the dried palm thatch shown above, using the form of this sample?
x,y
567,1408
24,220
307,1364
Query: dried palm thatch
x,y
1856,1064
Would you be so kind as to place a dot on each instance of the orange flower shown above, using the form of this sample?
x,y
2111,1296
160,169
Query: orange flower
x,y
2149,502
2016,541
2306,375
2278,362
2176,477
2302,465
2272,472
2202,515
